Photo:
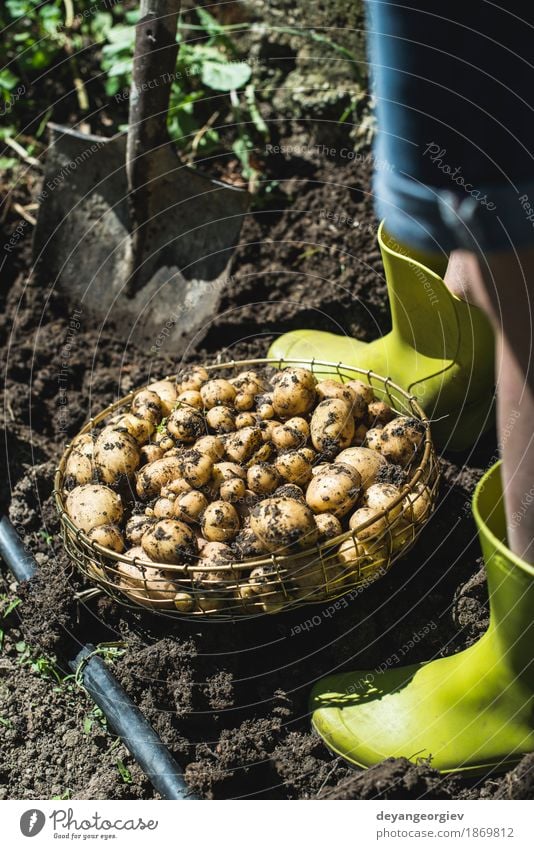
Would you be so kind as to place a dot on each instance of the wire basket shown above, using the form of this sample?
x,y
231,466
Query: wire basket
x,y
315,575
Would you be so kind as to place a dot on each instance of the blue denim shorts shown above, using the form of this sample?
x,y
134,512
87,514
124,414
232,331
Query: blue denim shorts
x,y
454,89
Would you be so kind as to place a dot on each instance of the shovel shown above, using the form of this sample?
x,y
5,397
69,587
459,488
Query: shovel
x,y
126,231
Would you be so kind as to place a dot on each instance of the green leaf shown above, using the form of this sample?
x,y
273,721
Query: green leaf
x,y
8,81
124,772
225,76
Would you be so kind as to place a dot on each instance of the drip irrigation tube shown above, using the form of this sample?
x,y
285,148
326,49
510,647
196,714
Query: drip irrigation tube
x,y
123,716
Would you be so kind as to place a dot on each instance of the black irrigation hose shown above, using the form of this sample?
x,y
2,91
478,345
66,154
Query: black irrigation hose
x,y
123,716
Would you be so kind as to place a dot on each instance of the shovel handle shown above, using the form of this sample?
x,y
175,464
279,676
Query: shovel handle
x,y
154,66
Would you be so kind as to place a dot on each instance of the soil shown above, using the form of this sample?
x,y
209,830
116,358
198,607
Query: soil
x,y
230,701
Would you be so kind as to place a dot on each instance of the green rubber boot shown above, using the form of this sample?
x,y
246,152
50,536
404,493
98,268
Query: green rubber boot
x,y
469,713
441,349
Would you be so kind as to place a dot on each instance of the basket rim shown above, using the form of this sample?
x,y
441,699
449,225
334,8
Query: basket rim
x,y
188,571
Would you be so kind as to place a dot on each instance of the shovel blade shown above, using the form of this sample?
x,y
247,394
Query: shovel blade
x,y
83,240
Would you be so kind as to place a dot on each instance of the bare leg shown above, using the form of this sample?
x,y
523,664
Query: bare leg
x,y
502,285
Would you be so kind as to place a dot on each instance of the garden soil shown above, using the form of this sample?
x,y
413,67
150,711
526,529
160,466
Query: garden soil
x,y
230,701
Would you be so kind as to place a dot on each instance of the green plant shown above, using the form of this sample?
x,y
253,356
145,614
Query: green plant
x,y
124,772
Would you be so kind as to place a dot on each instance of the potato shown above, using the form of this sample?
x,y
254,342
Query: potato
x,y
294,393
210,445
359,560
191,398
284,524
289,490
226,471
217,554
218,392
189,506
264,580
220,522
332,426
379,413
360,433
245,505
140,429
169,541
186,424
91,505
362,390
108,536
267,427
264,407
246,600
273,602
136,526
243,401
373,439
320,467
401,440
334,490
293,434
334,389
164,507
209,602
246,420
149,453
240,446
192,378
328,526
366,461
294,467
247,544
402,534
372,534
221,419
117,454
184,602
152,477
314,578
380,496
248,382
264,454
166,390
79,465
418,503
195,468
233,490
148,405
144,584
175,487
262,478
308,453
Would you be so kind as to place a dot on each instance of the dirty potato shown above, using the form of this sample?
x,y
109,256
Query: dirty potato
x,y
186,424
166,391
116,455
169,541
294,393
284,524
366,461
152,477
242,444
79,465
332,426
220,522
217,393
108,536
335,489
91,505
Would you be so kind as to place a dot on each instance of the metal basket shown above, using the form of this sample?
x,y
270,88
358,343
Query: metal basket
x,y
311,576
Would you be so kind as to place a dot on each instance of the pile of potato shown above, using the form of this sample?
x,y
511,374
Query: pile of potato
x,y
207,471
